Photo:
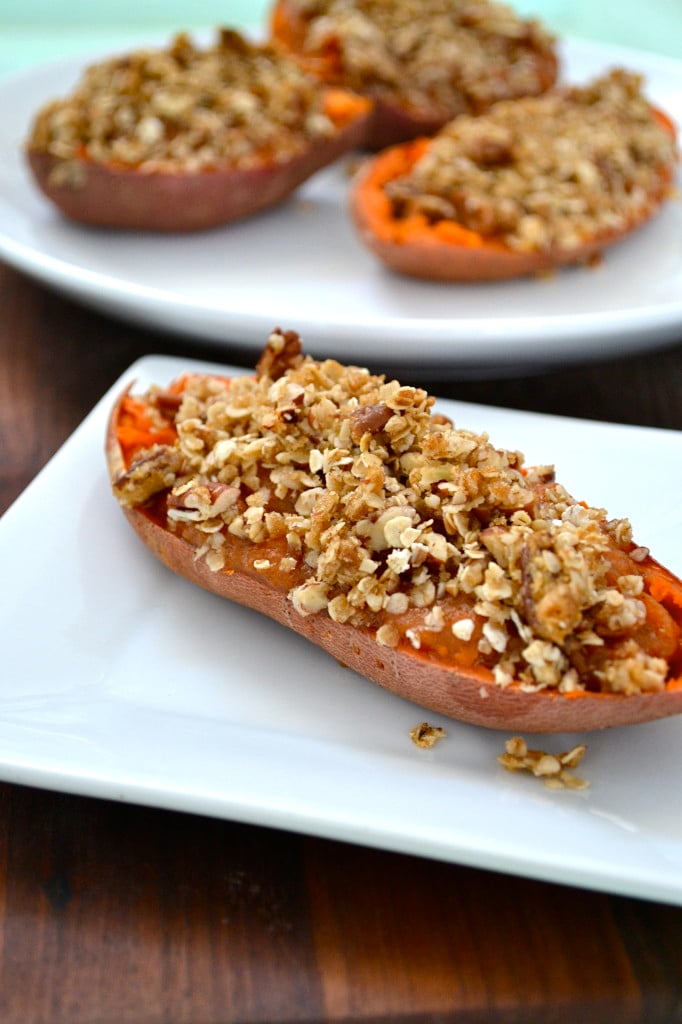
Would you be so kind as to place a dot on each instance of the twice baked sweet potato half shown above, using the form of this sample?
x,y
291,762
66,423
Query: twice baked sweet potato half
x,y
531,185
188,138
422,62
423,556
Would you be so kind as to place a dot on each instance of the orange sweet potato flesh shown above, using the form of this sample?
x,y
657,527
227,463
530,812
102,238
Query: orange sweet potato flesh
x,y
118,196
448,251
393,120
446,680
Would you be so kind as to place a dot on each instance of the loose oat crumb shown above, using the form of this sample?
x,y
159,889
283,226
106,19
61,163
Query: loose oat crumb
x,y
554,769
426,736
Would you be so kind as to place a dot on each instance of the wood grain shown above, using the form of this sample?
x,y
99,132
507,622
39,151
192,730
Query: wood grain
x,y
396,932
113,914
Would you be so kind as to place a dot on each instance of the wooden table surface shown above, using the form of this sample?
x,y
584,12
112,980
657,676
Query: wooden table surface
x,y
112,914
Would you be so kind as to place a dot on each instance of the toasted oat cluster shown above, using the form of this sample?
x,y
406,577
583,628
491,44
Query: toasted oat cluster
x,y
453,56
187,107
426,736
363,504
545,171
555,770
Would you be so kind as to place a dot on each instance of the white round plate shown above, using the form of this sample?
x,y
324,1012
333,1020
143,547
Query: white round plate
x,y
301,266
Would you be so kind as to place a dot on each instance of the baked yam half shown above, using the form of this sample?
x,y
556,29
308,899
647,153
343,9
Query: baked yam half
x,y
534,185
184,139
421,62
421,555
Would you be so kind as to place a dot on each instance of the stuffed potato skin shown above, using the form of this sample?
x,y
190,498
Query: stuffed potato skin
x,y
185,139
445,672
408,107
535,185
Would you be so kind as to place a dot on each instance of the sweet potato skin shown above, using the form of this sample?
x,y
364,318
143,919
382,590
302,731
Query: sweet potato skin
x,y
116,196
469,696
429,256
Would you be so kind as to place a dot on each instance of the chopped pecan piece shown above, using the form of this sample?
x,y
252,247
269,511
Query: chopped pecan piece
x,y
282,353
156,470
167,402
369,419
210,496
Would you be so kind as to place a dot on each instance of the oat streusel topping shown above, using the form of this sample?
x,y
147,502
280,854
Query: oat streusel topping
x,y
363,504
453,56
546,171
187,107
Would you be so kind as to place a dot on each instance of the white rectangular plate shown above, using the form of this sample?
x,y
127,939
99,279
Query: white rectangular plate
x,y
120,680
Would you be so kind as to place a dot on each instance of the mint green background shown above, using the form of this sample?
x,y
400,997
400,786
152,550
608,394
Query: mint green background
x,y
35,31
